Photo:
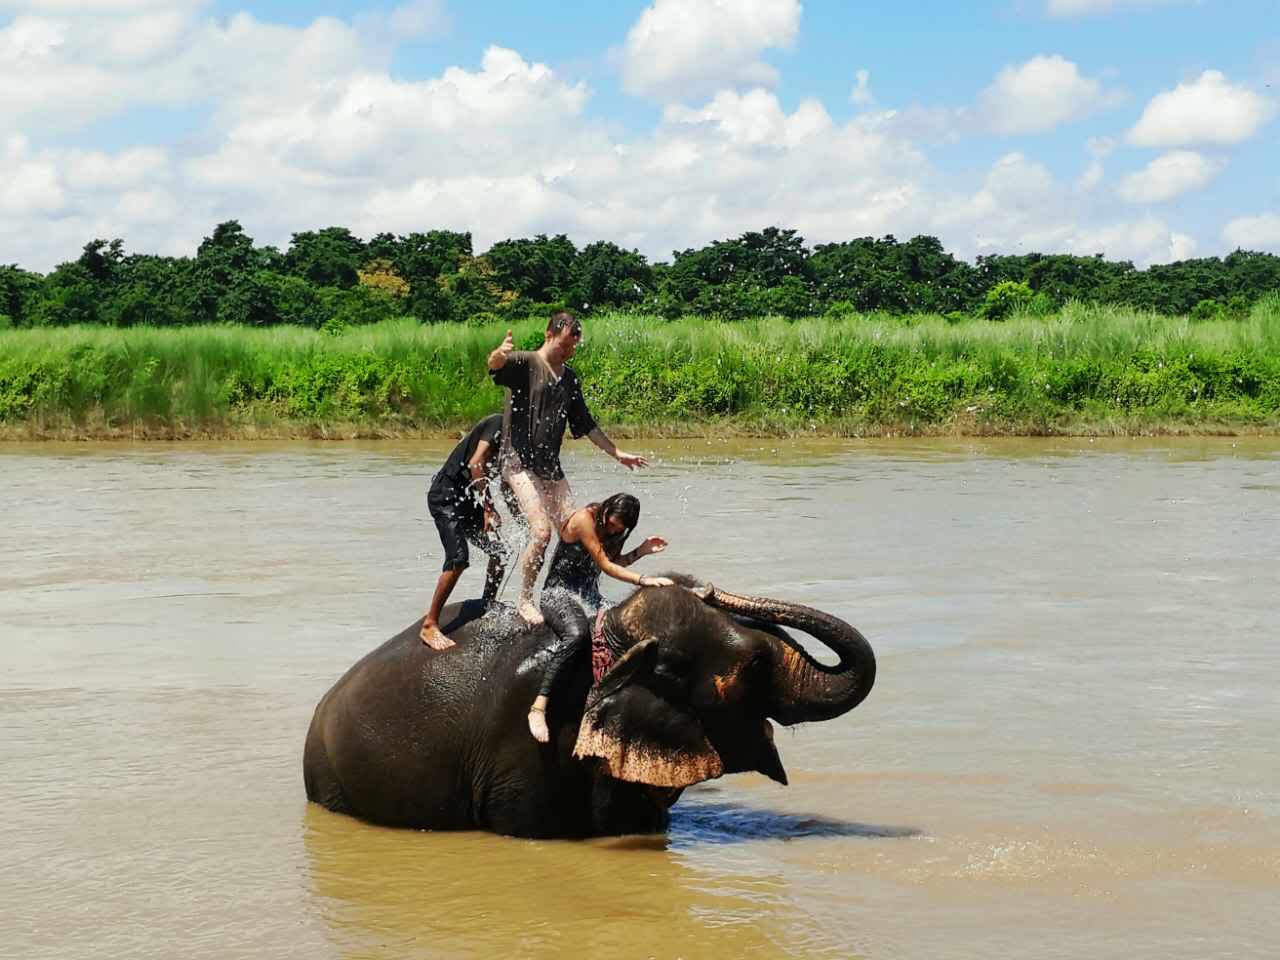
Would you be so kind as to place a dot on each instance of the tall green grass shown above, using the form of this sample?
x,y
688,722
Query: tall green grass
x,y
1085,369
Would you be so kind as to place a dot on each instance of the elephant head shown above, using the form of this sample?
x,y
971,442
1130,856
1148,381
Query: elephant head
x,y
703,673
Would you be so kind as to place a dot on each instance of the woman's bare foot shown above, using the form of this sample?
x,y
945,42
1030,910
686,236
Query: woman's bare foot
x,y
530,612
538,726
433,638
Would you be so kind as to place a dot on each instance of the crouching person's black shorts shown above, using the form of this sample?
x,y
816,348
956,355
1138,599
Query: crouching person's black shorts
x,y
459,519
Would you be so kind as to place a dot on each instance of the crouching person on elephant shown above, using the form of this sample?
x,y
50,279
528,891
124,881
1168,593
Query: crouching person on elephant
x,y
591,543
462,507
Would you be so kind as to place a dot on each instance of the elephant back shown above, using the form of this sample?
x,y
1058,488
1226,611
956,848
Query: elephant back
x,y
407,719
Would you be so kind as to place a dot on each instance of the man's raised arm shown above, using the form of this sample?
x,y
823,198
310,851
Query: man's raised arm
x,y
498,358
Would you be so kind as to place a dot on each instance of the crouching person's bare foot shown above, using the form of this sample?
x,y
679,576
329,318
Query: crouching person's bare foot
x,y
432,637
538,725
530,612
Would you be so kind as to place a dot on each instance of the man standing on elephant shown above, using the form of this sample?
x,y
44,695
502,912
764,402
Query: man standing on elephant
x,y
544,396
462,507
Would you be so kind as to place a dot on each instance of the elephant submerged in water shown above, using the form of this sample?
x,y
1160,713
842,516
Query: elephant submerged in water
x,y
416,737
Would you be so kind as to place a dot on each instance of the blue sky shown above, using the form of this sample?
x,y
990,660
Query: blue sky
x,y
1142,129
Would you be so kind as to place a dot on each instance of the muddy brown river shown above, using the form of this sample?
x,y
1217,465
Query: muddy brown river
x,y
1071,748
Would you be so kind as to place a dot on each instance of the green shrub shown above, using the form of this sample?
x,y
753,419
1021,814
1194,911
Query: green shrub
x,y
1237,308
1204,310
1005,299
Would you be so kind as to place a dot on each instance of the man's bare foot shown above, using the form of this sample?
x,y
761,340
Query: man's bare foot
x,y
433,638
530,613
538,726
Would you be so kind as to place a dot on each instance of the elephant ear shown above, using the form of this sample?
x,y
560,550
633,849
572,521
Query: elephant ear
x,y
640,736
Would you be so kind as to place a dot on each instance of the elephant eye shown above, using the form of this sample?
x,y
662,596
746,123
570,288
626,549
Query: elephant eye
x,y
672,670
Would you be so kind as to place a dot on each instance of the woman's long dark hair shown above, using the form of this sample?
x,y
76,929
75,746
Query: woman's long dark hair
x,y
624,507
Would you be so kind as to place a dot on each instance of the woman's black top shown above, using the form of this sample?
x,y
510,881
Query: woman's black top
x,y
573,569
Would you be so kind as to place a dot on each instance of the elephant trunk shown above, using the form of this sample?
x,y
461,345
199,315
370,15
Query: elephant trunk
x,y
803,689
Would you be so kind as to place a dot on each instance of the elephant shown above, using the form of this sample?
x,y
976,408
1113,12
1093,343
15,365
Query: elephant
x,y
427,739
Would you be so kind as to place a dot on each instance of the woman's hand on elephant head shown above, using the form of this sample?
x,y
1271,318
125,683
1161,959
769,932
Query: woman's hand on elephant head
x,y
656,582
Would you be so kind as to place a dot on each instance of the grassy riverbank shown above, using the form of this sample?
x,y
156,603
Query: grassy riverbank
x,y
1094,370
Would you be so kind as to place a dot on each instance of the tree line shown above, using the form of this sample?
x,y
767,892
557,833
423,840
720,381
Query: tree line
x,y
332,279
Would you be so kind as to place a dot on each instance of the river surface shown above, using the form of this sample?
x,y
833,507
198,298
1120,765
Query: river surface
x,y
1070,750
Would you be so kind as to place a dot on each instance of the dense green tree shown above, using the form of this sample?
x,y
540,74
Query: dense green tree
x,y
19,293
227,253
605,275
326,258
356,306
153,291
791,297
383,246
251,300
433,275
473,294
883,274
223,260
1062,277
296,301
101,259
1250,273
69,295
421,259
540,270
728,277
756,258
1174,288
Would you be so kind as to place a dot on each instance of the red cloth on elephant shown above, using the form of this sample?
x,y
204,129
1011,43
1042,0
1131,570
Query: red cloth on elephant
x,y
601,655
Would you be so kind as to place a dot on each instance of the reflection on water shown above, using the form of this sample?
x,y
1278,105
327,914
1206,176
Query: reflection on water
x,y
401,894
1069,751
723,822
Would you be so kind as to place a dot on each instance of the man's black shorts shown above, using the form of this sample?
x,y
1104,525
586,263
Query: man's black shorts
x,y
459,519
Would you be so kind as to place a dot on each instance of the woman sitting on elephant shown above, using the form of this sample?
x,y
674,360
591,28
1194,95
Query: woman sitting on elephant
x,y
591,543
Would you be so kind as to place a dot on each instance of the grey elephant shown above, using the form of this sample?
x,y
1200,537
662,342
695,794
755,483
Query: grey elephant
x,y
416,737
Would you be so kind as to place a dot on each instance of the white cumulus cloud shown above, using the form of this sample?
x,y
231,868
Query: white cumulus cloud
x,y
1039,95
1170,175
755,118
1021,208
30,184
1254,233
1147,240
306,126
686,49
60,74
1209,109
1098,148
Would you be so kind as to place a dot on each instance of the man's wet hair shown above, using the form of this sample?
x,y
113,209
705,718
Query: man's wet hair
x,y
564,319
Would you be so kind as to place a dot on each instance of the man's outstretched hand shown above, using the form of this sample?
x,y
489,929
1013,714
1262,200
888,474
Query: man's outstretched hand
x,y
630,460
